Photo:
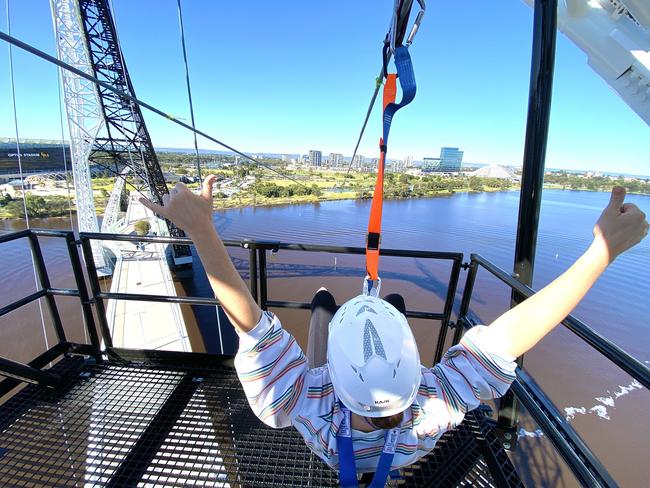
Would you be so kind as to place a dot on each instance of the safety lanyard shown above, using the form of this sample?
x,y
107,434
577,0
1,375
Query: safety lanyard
x,y
347,465
407,82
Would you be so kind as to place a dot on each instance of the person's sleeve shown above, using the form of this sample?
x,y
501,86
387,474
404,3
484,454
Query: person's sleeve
x,y
272,368
476,369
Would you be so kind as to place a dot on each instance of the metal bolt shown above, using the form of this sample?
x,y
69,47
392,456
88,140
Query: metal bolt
x,y
506,445
507,435
197,379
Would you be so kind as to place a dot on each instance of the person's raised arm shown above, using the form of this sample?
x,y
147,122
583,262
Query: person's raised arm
x,y
193,214
620,226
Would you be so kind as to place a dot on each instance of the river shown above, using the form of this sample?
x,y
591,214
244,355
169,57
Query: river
x,y
602,402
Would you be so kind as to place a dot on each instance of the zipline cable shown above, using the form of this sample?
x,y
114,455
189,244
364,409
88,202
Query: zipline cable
x,y
378,83
20,168
65,158
51,59
189,89
396,32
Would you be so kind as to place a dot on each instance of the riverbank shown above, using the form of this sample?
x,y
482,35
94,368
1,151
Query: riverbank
x,y
15,209
44,206
258,201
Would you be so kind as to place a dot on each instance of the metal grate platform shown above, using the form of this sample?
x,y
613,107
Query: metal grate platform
x,y
168,423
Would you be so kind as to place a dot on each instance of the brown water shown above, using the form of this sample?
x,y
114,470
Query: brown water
x,y
609,410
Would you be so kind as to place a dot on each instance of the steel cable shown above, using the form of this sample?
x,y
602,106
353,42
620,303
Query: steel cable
x,y
20,167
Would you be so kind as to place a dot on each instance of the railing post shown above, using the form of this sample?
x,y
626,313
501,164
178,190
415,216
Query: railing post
x,y
252,268
44,281
263,283
86,308
467,297
94,286
449,303
532,179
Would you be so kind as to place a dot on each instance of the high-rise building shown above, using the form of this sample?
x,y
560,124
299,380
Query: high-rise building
x,y
336,160
408,162
315,158
358,161
450,159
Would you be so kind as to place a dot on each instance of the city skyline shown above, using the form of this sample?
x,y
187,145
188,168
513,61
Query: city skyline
x,y
340,160
246,97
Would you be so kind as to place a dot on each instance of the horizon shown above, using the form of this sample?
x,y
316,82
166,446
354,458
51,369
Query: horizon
x,y
271,154
316,97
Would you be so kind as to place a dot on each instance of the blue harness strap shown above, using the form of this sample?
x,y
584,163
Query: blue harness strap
x,y
347,464
406,77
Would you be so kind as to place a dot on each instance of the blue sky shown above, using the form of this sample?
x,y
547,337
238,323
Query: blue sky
x,y
287,76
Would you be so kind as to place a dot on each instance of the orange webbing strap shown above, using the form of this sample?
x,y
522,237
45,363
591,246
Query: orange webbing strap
x,y
390,89
374,223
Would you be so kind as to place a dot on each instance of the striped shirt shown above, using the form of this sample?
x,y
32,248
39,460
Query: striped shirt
x,y
283,391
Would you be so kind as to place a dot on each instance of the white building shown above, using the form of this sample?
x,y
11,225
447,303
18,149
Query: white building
x,y
494,171
358,161
335,160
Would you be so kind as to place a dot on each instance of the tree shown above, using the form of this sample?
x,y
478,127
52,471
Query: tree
x,y
475,183
142,227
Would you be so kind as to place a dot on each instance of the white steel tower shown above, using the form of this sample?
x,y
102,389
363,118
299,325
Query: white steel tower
x,y
85,118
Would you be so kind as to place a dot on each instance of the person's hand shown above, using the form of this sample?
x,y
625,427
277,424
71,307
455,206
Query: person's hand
x,y
189,211
620,226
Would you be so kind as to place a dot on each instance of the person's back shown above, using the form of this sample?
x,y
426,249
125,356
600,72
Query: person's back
x,y
282,391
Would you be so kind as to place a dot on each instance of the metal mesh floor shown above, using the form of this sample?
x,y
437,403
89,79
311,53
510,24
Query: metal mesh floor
x,y
155,424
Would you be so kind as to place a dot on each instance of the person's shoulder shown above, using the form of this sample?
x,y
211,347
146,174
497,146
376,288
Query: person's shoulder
x,y
321,374
319,384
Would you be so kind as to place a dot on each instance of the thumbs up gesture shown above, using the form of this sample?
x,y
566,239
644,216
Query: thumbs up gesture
x,y
620,226
190,212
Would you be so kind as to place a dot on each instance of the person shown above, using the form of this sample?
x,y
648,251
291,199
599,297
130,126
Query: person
x,y
368,394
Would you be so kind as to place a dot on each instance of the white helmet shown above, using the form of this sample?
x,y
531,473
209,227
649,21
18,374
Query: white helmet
x,y
373,358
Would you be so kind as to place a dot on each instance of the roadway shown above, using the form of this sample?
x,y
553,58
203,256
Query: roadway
x,y
143,269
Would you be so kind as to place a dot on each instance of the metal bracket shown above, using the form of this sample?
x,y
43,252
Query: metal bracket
x,y
508,436
273,246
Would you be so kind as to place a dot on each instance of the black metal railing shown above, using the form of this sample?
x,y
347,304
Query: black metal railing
x,y
258,277
32,372
583,463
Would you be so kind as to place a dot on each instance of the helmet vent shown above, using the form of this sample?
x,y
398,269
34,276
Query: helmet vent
x,y
394,373
398,363
354,369
366,308
371,342
361,377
